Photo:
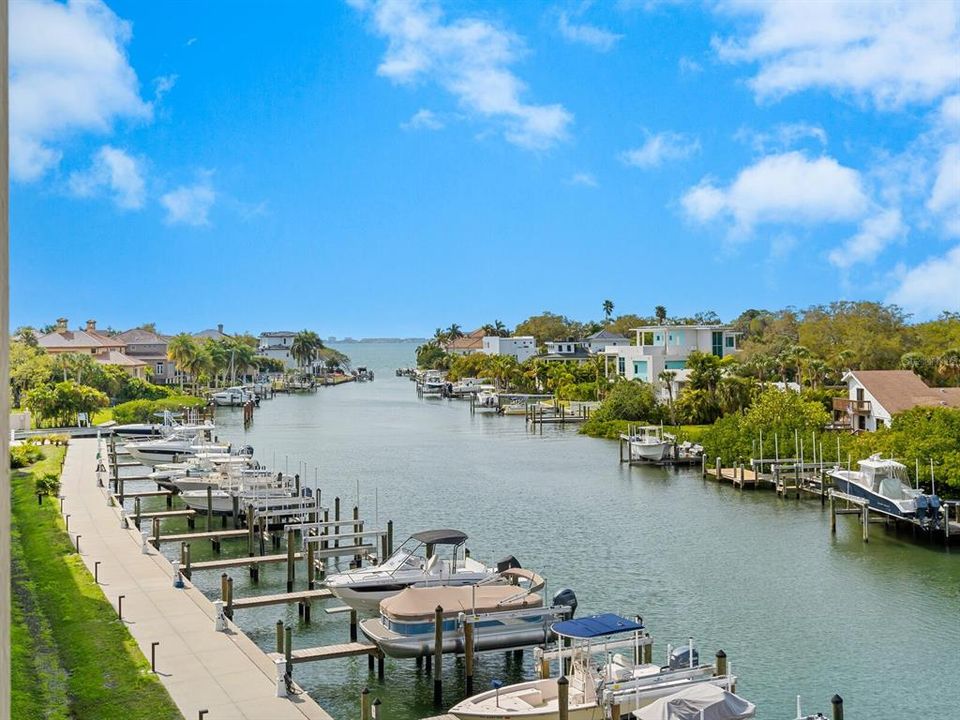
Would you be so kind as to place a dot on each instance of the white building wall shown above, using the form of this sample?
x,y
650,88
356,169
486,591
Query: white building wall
x,y
877,411
522,347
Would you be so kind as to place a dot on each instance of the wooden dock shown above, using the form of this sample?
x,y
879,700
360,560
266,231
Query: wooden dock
x,y
162,514
212,535
145,493
281,598
331,652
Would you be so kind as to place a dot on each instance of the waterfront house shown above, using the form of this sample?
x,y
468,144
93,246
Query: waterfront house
x,y
467,345
875,396
667,347
276,345
603,339
582,350
151,348
521,347
105,349
216,333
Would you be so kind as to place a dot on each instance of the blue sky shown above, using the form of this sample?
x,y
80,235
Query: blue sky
x,y
384,168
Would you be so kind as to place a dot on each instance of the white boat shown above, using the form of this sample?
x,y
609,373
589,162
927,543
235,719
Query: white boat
x,y
263,498
432,383
170,425
233,396
177,448
517,407
594,687
467,386
699,702
415,562
503,616
487,401
650,442
884,484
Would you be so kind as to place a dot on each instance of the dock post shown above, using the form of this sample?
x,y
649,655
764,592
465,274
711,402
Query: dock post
x,y
326,530
865,521
833,515
136,511
311,567
389,537
288,649
186,562
438,655
719,474
236,511
468,652
291,549
365,704
209,506
336,519
156,533
357,559
353,625
380,660
375,710
296,483
615,711
647,649
544,664
383,548
703,466
721,663
563,698
837,702
250,538
229,597
280,637
223,588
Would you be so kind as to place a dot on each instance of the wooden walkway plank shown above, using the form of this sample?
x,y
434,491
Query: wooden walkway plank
x,y
281,598
186,537
331,652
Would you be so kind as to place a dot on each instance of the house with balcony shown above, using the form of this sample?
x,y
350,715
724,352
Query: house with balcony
x,y
582,350
276,345
667,347
875,396
105,349
521,347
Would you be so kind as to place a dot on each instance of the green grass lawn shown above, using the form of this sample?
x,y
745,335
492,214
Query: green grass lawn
x,y
71,657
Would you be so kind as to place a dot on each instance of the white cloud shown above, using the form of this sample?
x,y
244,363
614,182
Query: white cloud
x,y
583,178
660,148
876,232
584,34
423,119
469,58
689,66
115,171
782,137
891,51
930,287
945,196
162,85
786,188
190,204
68,72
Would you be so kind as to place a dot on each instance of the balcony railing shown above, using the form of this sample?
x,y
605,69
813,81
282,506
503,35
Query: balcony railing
x,y
852,407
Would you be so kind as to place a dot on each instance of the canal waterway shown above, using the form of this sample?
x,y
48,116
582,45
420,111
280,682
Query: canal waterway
x,y
796,610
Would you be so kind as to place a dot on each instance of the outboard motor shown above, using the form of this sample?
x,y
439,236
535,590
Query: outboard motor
x,y
567,597
928,510
680,658
508,563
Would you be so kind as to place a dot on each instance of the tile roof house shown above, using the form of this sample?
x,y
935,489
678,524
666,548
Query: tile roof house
x,y
151,348
105,349
467,345
216,333
875,396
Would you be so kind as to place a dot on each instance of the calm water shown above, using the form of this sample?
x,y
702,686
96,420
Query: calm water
x,y
796,611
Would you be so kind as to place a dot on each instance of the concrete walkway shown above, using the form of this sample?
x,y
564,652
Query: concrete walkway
x,y
224,673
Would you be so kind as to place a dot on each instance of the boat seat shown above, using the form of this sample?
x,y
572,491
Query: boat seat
x,y
532,697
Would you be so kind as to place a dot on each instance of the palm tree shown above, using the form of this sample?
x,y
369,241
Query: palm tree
x,y
454,332
439,337
660,312
304,347
667,377
817,370
800,355
500,329
27,336
608,309
949,364
181,350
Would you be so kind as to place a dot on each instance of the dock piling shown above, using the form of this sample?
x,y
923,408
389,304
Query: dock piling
x,y
280,637
311,566
291,550
721,663
438,655
837,702
209,507
365,704
468,652
563,698
353,625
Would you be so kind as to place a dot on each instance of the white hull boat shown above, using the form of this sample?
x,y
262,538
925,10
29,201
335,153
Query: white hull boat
x,y
415,562
176,449
883,484
651,443
503,616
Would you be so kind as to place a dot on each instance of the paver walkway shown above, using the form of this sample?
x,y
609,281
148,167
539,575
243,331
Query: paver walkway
x,y
224,673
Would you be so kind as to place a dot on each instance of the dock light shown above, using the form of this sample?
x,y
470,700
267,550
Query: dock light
x,y
62,498
497,684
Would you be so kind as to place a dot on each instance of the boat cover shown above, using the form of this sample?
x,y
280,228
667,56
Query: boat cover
x,y
702,701
421,602
596,626
443,536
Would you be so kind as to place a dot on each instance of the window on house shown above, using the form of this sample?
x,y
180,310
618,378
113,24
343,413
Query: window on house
x,y
640,370
675,364
622,366
159,368
717,343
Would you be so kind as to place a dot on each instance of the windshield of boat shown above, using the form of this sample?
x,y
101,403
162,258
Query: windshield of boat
x,y
413,555
891,482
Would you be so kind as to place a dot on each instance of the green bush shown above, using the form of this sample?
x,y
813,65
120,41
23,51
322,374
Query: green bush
x,y
144,411
48,484
23,455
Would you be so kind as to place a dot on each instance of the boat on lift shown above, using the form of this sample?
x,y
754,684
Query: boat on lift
x,y
596,686
885,485
170,425
650,442
505,616
702,701
416,562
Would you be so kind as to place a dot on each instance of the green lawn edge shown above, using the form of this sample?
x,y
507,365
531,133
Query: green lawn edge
x,y
72,657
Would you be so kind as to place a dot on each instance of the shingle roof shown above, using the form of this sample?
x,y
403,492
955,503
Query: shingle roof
x,y
605,335
76,340
115,357
139,336
899,390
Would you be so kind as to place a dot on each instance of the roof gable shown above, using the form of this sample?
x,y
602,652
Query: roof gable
x,y
899,390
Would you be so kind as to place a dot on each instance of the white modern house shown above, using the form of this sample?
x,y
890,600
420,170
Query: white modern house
x,y
276,345
667,347
603,339
875,396
522,347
